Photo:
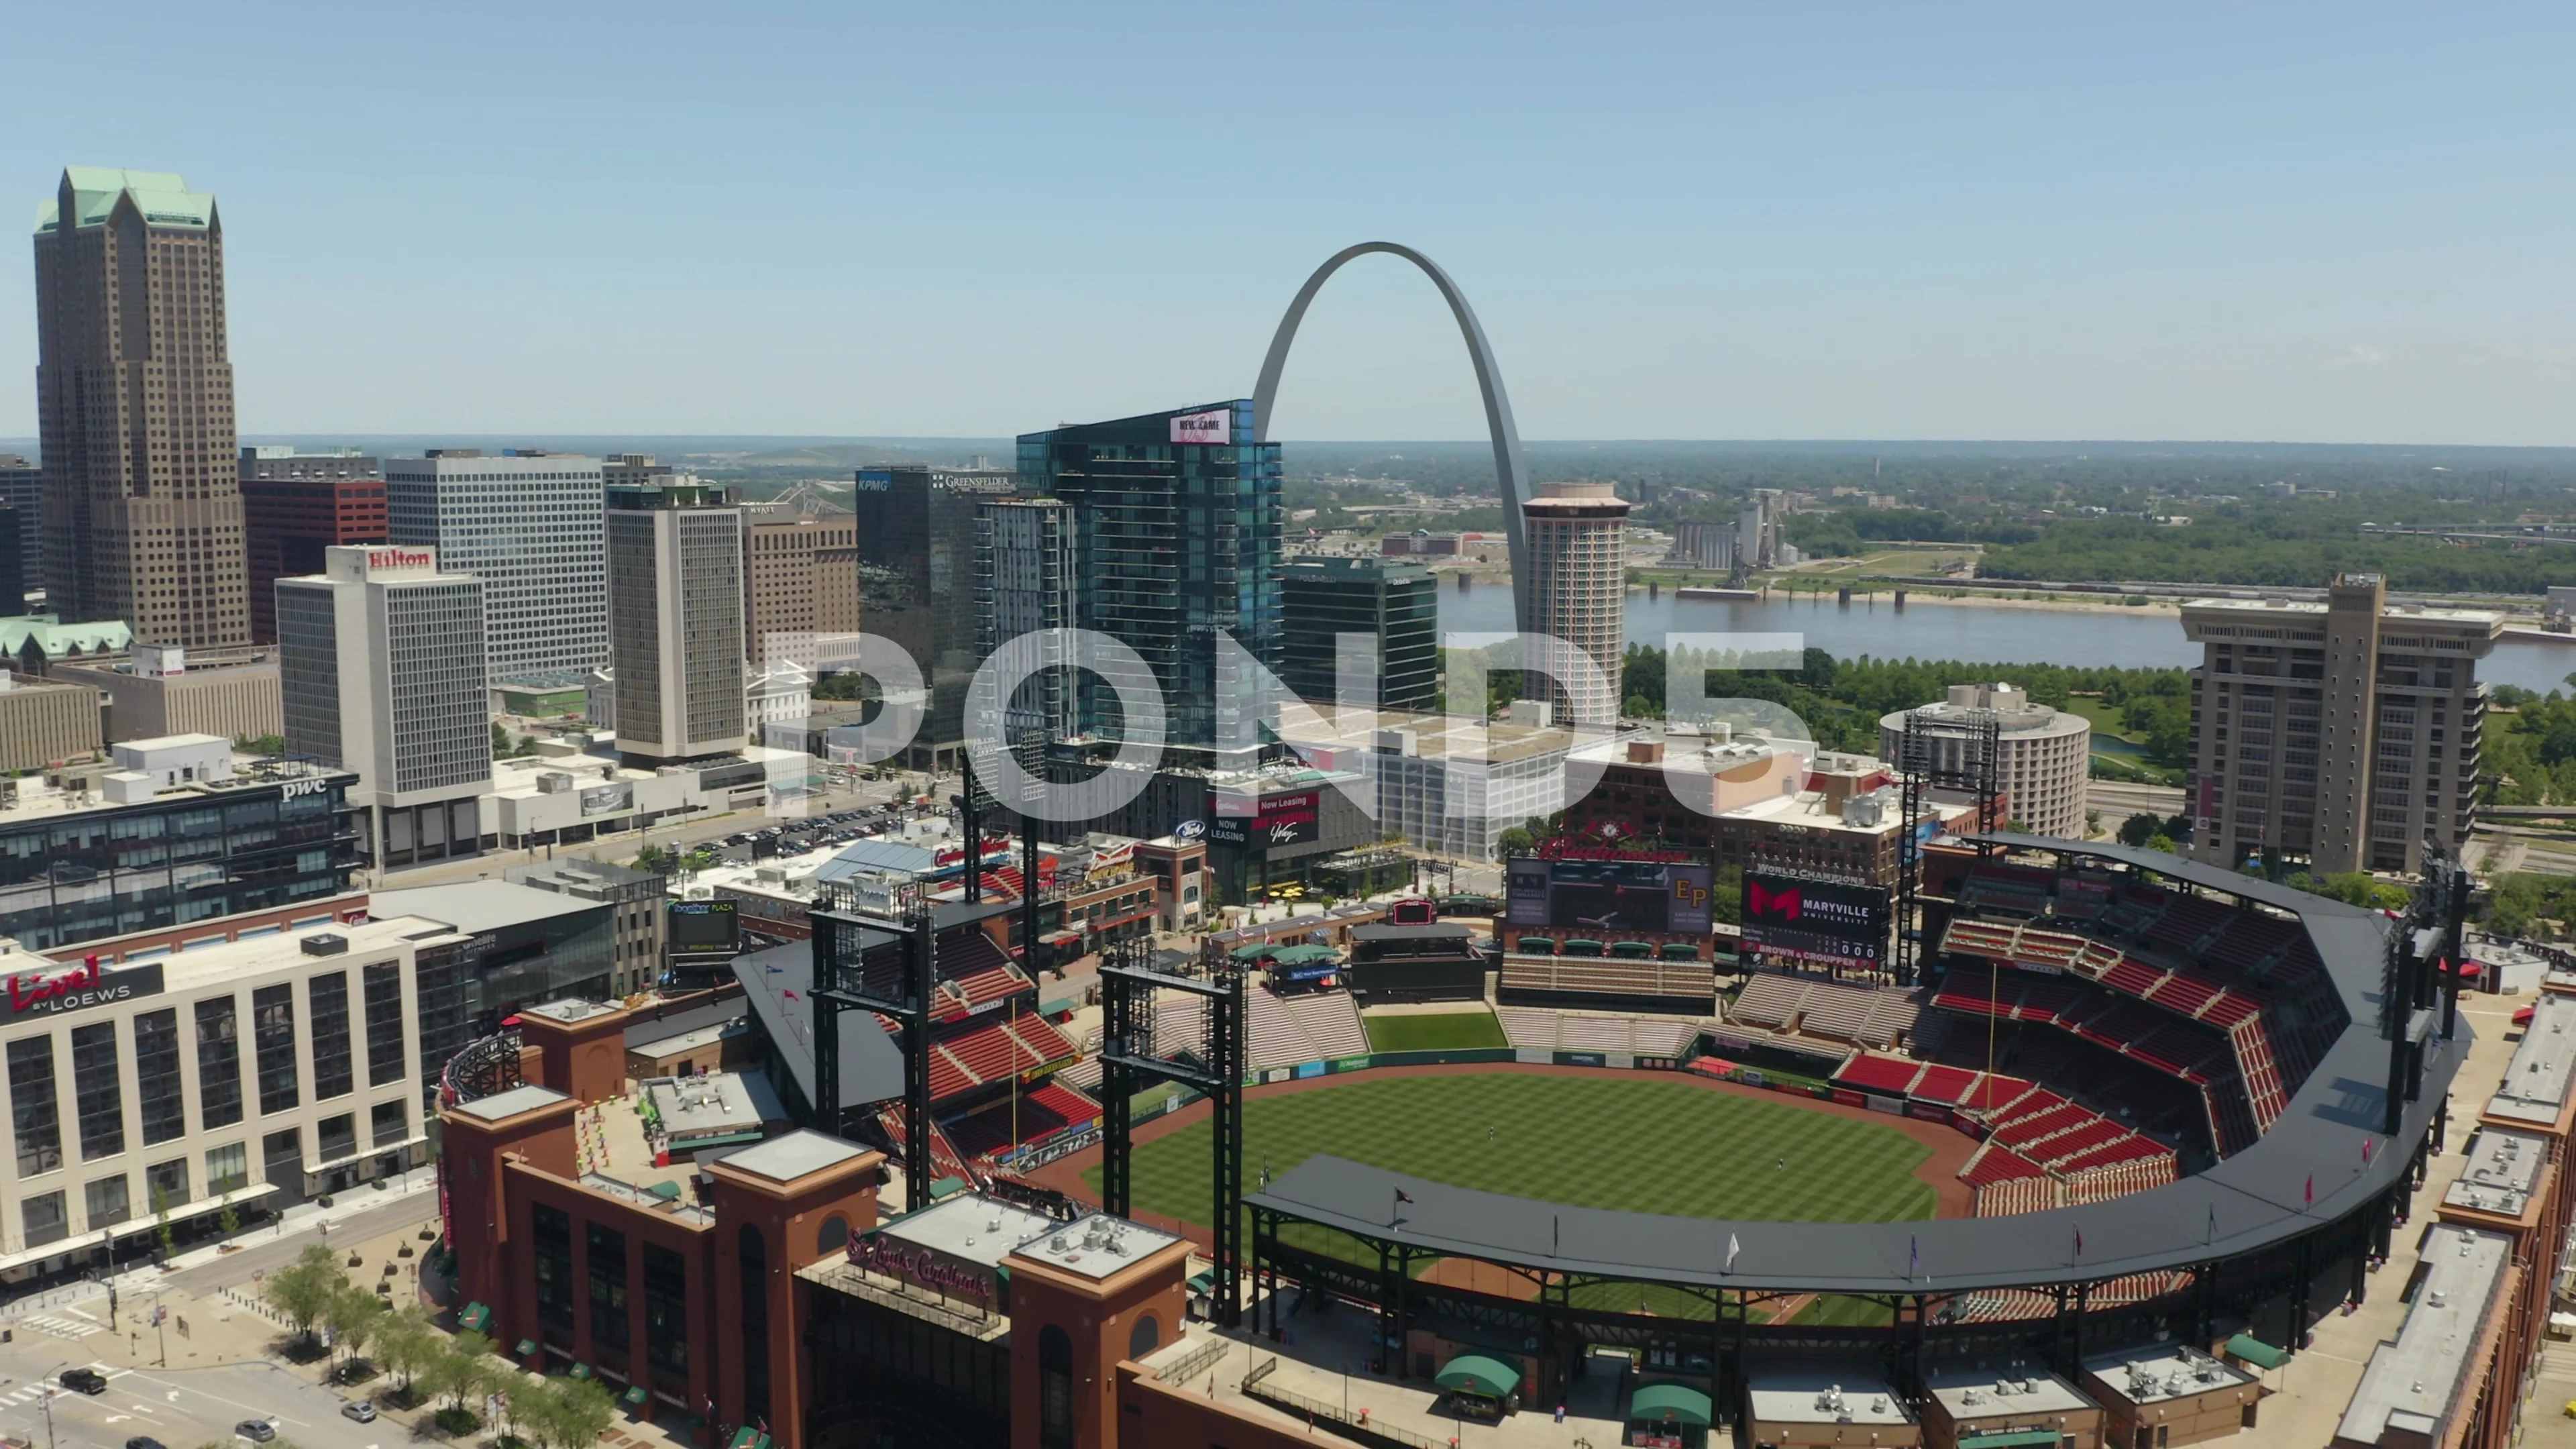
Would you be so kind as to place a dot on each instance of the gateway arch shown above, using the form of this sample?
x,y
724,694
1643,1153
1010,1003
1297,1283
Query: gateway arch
x,y
1509,471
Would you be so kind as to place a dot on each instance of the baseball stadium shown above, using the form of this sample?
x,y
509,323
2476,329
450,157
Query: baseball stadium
x,y
2131,1104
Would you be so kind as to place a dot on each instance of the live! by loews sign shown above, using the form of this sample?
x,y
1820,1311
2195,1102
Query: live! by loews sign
x,y
78,988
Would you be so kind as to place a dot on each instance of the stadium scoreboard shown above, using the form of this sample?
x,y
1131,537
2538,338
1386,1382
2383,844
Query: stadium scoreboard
x,y
1610,896
1820,922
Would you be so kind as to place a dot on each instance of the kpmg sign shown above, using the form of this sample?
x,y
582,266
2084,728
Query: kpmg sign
x,y
33,994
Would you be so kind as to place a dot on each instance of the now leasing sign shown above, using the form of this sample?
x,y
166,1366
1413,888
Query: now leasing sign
x,y
79,988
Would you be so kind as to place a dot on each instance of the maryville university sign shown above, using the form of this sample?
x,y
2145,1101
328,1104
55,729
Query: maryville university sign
x,y
78,989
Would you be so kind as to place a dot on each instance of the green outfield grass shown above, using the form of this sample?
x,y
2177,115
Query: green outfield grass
x,y
1444,1031
1633,1142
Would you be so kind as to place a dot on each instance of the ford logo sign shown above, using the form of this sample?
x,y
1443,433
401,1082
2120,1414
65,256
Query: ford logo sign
x,y
1190,830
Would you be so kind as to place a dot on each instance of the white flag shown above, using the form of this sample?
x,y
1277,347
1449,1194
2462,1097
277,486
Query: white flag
x,y
1732,1248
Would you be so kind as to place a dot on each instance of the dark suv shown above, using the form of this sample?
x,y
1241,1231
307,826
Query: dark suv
x,y
84,1380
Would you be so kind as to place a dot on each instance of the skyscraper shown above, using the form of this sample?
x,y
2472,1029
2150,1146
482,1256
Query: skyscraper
x,y
1578,588
2342,732
1176,538
1024,597
381,660
916,539
295,505
800,576
529,525
22,487
134,400
675,621
1397,604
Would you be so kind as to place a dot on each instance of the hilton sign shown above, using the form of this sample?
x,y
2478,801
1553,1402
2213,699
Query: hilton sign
x,y
382,559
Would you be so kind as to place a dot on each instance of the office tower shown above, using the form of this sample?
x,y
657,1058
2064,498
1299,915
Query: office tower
x,y
639,470
916,542
528,524
2342,731
1025,595
294,505
800,573
1578,588
134,399
1397,604
381,659
675,621
1176,539
15,527
2045,755
22,487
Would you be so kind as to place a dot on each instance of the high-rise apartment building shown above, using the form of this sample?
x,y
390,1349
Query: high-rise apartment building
x,y
800,576
1176,540
529,525
916,542
1025,600
1577,591
675,621
134,401
295,505
2043,755
2344,732
1396,604
22,489
381,661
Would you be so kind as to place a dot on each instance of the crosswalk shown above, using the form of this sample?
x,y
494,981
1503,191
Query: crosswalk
x,y
25,1394
59,1327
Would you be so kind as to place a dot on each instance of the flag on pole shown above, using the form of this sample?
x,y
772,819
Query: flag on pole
x,y
1732,1248
790,995
1555,1233
2368,1143
2312,1189
2079,1240
2213,1221
1913,1256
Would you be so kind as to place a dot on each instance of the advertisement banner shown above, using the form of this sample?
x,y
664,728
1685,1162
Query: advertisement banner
x,y
1215,426
1290,818
1892,1106
1849,1098
1610,895
608,799
1929,1112
1800,918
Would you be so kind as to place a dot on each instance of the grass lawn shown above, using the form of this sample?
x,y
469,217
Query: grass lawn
x,y
1634,1143
1446,1031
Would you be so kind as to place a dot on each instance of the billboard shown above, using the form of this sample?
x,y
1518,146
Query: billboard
x,y
35,993
602,799
1610,895
1292,817
1829,923
706,927
1214,426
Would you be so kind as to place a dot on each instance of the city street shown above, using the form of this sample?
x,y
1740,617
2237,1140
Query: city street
x,y
181,1407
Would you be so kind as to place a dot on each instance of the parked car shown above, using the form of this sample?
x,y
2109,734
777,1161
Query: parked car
x,y
143,1442
358,1409
84,1380
257,1431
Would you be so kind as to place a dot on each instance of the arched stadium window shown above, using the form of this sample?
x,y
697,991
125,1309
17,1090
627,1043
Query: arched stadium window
x,y
1146,1337
1055,1388
835,1235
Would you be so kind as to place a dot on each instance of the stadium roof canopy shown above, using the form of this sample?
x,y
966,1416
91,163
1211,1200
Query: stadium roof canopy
x,y
2323,1159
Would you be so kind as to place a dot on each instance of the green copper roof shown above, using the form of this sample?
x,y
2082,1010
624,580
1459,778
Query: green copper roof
x,y
162,196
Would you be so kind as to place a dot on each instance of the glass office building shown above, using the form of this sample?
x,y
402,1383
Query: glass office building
x,y
1176,538
1396,604
211,849
916,531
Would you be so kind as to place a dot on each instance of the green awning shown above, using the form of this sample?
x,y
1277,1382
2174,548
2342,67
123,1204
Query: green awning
x,y
2009,1439
526,1346
2255,1351
1672,1403
1202,1284
1300,955
635,1396
1474,1373
474,1317
666,1191
743,1437
947,1186
1255,951
581,1371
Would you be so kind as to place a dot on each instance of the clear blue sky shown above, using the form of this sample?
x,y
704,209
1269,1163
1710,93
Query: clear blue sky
x,y
2329,222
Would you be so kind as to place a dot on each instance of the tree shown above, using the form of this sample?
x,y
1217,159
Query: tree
x,y
161,1231
303,1289
500,740
454,1368
2140,828
261,744
353,1314
1515,840
230,1218
406,1343
568,1413
1727,904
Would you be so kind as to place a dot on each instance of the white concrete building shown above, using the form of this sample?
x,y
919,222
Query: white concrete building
x,y
255,1071
675,628
382,660
1578,588
2046,754
530,525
